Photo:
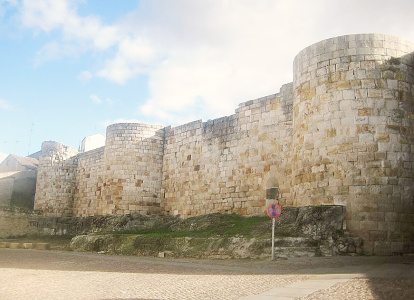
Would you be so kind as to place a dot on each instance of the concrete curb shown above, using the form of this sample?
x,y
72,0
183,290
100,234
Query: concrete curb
x,y
37,246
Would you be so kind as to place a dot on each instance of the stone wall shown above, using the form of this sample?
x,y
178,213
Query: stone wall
x,y
56,180
14,224
341,133
353,134
225,165
89,183
132,169
124,177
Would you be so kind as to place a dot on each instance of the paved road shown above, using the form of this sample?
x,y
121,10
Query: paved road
x,y
34,274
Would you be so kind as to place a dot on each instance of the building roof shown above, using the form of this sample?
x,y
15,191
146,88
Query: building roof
x,y
28,162
35,155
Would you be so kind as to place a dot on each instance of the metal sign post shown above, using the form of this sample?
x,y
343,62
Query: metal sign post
x,y
273,211
273,238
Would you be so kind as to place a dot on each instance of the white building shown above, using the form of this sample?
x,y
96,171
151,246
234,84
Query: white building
x,y
93,141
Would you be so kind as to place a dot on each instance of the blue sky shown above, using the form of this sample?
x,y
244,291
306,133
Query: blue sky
x,y
68,69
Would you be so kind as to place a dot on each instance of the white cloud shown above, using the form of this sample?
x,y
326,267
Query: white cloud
x,y
133,57
95,99
84,76
46,14
7,9
4,105
5,4
54,51
9,2
109,101
218,53
79,33
204,57
222,53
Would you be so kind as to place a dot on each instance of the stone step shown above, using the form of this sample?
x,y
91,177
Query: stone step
x,y
295,242
289,252
288,247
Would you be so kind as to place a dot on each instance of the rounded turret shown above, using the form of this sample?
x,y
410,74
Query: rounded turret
x,y
132,169
353,136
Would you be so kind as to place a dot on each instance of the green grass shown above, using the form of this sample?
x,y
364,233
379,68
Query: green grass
x,y
206,226
210,226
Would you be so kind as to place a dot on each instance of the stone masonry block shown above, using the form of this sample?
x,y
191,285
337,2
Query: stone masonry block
x,y
4,244
15,245
382,248
27,245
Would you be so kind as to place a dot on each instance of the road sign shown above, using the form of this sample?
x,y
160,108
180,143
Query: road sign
x,y
274,210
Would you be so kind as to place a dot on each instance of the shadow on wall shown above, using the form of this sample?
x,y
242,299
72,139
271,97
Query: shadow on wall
x,y
23,193
18,190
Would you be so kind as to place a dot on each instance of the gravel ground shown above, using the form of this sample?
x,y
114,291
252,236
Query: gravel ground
x,y
33,274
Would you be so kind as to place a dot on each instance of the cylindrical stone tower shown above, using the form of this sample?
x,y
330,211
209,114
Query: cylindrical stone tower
x,y
55,184
132,169
353,135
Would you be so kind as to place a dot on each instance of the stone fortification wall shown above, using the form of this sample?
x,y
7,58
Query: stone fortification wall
x,y
13,224
342,133
56,179
353,137
226,165
124,177
89,183
132,169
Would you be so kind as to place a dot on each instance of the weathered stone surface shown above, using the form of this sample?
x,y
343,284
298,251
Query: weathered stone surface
x,y
300,231
212,247
321,221
4,245
27,245
14,246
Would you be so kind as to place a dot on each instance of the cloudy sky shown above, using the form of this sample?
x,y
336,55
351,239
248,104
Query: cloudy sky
x,y
69,68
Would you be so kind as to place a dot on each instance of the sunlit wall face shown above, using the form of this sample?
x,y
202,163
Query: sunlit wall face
x,y
353,134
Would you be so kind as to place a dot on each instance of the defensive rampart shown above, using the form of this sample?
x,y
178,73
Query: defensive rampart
x,y
341,133
226,165
353,134
56,179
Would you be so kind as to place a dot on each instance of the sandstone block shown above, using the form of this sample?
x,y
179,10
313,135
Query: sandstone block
x,y
15,245
27,245
382,248
4,245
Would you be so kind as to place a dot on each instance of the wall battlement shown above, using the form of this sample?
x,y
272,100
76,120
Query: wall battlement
x,y
341,133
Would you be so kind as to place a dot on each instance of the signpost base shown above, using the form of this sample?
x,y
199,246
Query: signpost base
x,y
273,210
